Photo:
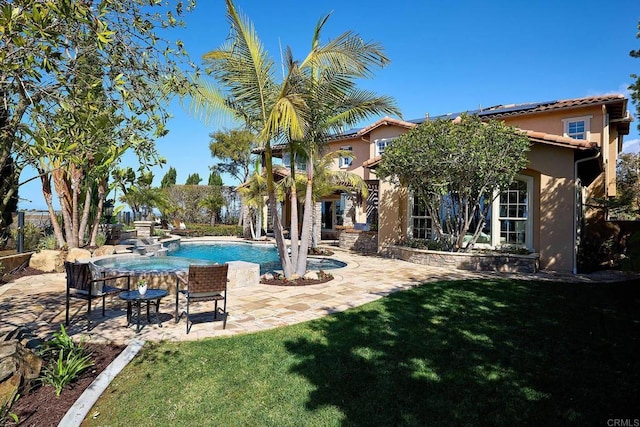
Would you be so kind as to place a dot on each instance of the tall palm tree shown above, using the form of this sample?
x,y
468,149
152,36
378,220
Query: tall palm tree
x,y
253,192
327,181
315,96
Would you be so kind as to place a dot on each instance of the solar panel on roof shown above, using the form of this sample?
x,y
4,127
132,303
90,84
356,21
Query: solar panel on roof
x,y
520,107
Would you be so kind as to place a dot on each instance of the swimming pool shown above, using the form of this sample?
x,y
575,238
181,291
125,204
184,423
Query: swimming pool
x,y
265,255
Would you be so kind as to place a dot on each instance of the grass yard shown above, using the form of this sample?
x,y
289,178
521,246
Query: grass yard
x,y
482,352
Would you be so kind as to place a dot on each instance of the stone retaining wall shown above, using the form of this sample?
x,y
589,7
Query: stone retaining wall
x,y
359,241
511,263
10,263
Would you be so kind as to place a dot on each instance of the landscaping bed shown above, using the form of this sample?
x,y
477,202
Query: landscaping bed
x,y
41,407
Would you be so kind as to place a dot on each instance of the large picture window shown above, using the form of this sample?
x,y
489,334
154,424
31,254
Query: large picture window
x,y
513,218
420,226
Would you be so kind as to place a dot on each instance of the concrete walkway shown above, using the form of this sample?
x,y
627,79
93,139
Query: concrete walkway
x,y
37,303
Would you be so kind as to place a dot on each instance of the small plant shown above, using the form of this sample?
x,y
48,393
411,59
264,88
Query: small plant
x,y
5,411
60,343
101,239
323,275
141,283
48,242
65,369
67,360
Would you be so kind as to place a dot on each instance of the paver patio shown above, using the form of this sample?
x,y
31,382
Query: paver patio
x,y
37,303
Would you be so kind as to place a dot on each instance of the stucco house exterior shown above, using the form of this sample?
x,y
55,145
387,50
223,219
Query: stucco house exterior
x,y
574,149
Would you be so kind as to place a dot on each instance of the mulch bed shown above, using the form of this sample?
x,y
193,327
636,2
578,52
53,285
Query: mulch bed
x,y
297,282
42,408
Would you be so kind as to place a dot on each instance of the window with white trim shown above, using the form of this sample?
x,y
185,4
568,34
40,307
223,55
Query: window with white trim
x,y
345,162
381,144
420,225
301,164
513,223
577,127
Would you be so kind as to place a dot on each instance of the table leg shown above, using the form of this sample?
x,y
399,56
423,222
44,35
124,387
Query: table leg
x,y
138,320
148,319
128,313
157,310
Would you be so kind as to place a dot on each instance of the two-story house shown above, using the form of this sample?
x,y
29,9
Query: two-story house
x,y
574,149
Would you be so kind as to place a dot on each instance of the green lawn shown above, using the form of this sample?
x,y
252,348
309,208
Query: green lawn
x,y
497,352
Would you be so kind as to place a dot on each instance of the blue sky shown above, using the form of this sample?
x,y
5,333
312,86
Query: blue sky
x,y
445,57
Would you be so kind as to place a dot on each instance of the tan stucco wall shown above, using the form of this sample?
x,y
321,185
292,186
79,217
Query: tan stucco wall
x,y
551,122
392,214
552,169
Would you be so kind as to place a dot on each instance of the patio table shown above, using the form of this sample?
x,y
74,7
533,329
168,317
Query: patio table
x,y
134,297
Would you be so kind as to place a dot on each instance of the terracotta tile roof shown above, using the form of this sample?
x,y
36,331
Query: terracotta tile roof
x,y
385,121
539,137
372,162
563,141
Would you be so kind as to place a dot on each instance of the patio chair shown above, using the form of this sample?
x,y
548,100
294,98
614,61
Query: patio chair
x,y
82,285
204,283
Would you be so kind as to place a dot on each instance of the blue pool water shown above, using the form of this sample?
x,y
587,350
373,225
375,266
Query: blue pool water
x,y
265,255
208,253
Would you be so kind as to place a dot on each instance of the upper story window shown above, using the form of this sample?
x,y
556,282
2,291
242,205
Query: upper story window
x,y
301,164
345,162
381,144
577,127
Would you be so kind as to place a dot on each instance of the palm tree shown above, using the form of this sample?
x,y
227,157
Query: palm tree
x,y
253,192
327,181
313,97
213,203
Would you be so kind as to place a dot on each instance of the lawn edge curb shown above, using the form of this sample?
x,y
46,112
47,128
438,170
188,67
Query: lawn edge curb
x,y
77,413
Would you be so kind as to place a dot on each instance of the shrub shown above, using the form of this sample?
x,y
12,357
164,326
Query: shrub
x,y
101,239
32,236
48,242
214,230
429,244
67,360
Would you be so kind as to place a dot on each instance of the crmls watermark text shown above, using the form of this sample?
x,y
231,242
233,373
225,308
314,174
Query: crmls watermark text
x,y
623,422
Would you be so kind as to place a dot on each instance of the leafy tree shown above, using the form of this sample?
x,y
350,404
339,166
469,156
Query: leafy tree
x,y
234,150
47,47
626,205
456,167
635,86
169,178
215,180
315,96
193,179
185,203
11,203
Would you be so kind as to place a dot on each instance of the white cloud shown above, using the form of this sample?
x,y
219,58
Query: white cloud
x,y
623,89
631,146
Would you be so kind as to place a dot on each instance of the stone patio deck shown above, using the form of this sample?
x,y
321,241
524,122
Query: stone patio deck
x,y
37,303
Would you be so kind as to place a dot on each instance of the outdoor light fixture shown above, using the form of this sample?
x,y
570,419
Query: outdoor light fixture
x,y
107,210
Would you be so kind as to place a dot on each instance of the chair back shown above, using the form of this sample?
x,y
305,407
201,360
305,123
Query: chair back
x,y
78,276
208,278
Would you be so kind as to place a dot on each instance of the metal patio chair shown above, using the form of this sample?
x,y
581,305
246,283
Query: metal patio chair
x,y
82,285
204,283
